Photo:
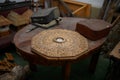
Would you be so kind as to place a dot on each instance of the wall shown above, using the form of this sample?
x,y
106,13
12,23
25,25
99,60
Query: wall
x,y
96,5
12,0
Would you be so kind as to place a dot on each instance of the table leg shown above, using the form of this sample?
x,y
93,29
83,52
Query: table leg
x,y
66,71
33,67
94,61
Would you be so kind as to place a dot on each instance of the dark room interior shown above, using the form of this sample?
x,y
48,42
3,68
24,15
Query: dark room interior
x,y
59,39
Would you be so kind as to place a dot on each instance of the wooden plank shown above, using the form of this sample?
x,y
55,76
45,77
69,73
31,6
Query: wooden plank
x,y
116,21
102,11
88,10
9,57
116,51
17,19
79,9
4,21
74,2
66,7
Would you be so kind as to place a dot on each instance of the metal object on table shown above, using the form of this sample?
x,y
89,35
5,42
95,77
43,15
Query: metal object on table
x,y
44,16
59,40
45,26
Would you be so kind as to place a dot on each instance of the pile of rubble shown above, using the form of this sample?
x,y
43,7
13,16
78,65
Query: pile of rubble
x,y
7,64
11,71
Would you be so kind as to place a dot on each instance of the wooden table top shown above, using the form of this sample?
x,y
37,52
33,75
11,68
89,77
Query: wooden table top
x,y
59,43
22,41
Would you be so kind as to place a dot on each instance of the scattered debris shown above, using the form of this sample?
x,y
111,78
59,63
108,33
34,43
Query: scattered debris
x,y
7,64
9,57
17,73
11,71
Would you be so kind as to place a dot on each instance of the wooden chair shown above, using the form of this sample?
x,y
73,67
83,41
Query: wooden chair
x,y
111,49
113,37
108,11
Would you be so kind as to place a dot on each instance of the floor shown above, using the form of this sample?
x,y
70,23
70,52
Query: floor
x,y
79,70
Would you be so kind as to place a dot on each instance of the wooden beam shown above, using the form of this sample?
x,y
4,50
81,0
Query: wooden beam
x,y
66,7
102,11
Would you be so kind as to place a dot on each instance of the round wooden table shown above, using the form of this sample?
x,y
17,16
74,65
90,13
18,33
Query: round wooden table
x,y
22,41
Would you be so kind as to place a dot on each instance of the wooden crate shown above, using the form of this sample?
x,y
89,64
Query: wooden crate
x,y
4,31
17,19
27,14
78,9
4,26
4,21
